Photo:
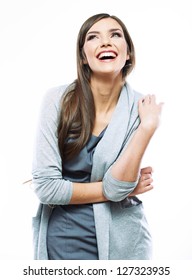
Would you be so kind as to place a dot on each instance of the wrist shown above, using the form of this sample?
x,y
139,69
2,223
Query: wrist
x,y
147,128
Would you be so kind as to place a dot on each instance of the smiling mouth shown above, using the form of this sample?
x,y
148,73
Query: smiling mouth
x,y
107,55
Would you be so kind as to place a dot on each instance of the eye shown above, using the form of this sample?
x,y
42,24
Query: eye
x,y
91,37
116,34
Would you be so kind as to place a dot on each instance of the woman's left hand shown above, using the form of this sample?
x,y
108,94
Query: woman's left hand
x,y
145,181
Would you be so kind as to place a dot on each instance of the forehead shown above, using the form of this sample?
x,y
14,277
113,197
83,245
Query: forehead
x,y
105,24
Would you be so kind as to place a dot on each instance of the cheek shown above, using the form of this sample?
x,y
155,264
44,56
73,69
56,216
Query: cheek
x,y
123,50
87,55
125,56
126,52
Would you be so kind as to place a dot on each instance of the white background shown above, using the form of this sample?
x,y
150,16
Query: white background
x,y
37,51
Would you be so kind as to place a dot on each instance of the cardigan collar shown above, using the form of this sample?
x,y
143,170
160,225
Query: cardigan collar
x,y
106,152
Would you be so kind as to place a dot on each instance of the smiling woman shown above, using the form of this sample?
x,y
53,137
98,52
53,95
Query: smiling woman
x,y
105,54
106,44
91,138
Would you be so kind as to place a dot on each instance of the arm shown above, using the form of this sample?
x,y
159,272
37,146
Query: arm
x,y
93,192
125,171
87,193
48,183
149,112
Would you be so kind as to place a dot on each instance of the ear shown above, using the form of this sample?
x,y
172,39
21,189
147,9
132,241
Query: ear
x,y
128,56
83,56
85,61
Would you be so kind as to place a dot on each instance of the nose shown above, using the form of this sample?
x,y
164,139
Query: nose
x,y
105,41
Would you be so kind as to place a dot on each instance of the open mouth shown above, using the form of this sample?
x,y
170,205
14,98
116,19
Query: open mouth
x,y
107,55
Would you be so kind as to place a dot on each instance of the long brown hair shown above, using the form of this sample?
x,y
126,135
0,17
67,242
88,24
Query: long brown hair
x,y
77,114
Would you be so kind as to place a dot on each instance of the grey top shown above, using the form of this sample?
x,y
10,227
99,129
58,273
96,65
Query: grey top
x,y
121,227
71,231
79,168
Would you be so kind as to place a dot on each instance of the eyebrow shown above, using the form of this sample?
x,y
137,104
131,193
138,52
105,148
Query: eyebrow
x,y
110,30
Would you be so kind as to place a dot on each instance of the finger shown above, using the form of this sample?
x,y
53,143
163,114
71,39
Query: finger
x,y
145,177
141,101
148,188
147,99
146,182
153,98
146,170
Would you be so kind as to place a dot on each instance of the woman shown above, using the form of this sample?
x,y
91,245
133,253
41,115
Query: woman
x,y
91,139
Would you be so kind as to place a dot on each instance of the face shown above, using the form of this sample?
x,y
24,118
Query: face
x,y
105,47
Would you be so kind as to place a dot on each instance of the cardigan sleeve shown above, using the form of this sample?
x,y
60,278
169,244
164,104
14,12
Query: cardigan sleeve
x,y
113,189
116,190
48,183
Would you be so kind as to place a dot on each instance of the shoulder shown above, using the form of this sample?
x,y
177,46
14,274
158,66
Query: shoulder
x,y
50,104
52,96
51,101
136,95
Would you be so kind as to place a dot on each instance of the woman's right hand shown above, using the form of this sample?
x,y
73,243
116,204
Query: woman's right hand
x,y
149,113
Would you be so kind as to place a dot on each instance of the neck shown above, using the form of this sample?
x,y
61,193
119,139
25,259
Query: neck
x,y
106,93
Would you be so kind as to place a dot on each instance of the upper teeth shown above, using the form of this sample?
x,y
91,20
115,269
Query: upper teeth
x,y
104,54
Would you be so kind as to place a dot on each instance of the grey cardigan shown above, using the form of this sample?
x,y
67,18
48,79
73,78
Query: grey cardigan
x,y
121,227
